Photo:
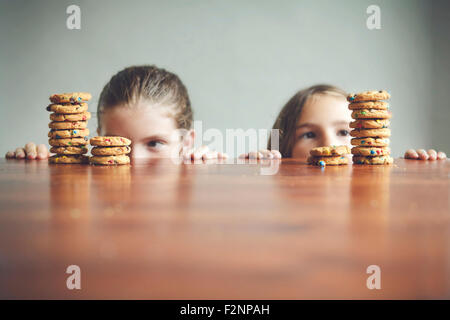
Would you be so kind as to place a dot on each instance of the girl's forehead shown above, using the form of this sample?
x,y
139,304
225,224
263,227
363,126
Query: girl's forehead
x,y
140,109
138,121
325,108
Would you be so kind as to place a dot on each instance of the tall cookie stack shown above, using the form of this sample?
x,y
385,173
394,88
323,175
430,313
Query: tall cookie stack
x,y
68,134
371,127
332,155
110,150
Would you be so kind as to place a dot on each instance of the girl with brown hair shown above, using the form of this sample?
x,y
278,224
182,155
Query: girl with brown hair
x,y
148,105
318,116
315,116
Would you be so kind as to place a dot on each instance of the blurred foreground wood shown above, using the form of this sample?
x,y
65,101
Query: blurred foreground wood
x,y
157,230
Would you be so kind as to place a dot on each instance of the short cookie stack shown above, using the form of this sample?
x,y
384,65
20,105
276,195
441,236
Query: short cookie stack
x,y
371,127
110,150
68,128
332,155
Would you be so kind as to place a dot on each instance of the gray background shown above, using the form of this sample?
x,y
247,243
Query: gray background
x,y
241,60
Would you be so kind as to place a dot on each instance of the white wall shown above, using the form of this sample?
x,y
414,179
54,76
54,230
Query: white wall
x,y
241,60
439,102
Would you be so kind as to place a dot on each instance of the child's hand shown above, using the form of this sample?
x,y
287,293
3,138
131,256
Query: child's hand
x,y
202,153
30,151
262,154
421,154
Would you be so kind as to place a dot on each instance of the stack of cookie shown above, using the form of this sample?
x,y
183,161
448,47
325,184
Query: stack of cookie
x,y
332,155
110,150
68,129
371,127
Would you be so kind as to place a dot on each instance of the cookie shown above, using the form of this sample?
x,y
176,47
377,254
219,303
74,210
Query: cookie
x,y
61,134
370,124
109,160
68,142
68,159
110,141
371,151
363,133
330,151
369,105
70,117
110,151
72,97
368,96
371,114
68,108
69,150
372,142
63,125
322,161
372,160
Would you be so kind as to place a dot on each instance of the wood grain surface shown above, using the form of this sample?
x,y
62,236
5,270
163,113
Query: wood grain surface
x,y
156,230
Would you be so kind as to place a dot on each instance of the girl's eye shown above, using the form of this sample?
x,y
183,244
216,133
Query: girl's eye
x,y
308,135
155,144
343,133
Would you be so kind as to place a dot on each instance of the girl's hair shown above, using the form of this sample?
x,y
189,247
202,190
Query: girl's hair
x,y
287,119
149,83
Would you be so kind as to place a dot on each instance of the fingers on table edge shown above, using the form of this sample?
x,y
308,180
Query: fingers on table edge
x,y
30,151
421,154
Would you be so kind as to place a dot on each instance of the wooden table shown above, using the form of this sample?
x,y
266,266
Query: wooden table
x,y
157,230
